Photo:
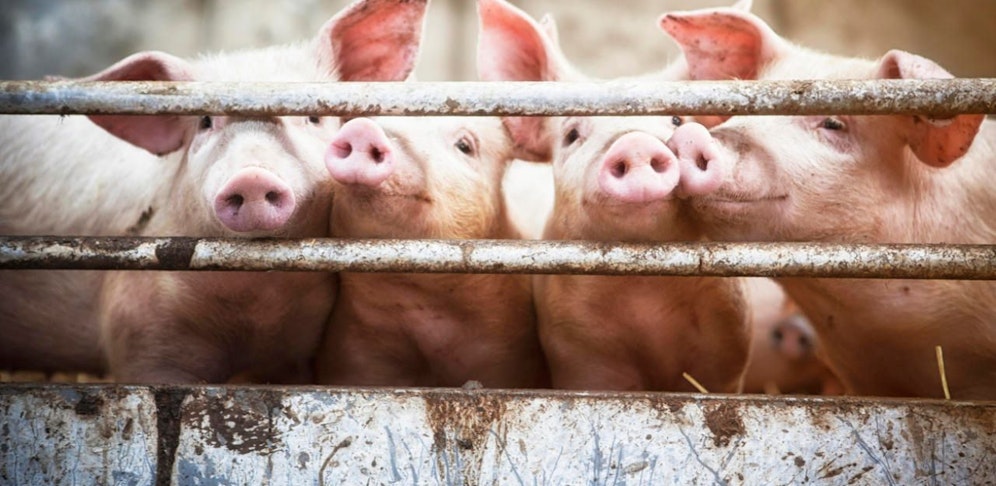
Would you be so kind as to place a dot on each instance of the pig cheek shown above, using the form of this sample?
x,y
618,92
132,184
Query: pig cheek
x,y
466,206
577,173
312,142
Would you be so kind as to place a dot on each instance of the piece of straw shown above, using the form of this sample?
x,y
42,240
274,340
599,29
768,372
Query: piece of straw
x,y
695,383
944,376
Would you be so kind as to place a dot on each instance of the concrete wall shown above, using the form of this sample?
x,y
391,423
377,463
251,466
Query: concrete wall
x,y
605,38
271,435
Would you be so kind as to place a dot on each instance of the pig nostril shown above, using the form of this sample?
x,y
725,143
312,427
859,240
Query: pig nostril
x,y
273,197
235,200
343,150
804,343
659,165
702,163
619,169
377,154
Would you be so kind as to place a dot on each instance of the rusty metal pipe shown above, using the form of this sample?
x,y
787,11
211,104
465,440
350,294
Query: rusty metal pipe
x,y
969,262
940,98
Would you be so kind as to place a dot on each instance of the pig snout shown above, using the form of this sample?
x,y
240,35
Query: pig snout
x,y
638,168
254,199
791,339
360,154
703,166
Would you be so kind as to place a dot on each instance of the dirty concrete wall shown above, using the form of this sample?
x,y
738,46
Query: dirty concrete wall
x,y
605,38
271,435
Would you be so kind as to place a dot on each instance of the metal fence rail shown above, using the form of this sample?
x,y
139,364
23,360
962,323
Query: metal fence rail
x,y
939,98
969,262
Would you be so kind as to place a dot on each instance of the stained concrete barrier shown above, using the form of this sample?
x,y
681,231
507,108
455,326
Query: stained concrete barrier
x,y
105,434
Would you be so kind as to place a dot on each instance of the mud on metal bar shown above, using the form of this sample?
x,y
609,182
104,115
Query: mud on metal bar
x,y
938,98
912,261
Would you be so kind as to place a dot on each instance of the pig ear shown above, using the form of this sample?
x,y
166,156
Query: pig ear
x,y
157,134
723,43
513,47
373,40
936,142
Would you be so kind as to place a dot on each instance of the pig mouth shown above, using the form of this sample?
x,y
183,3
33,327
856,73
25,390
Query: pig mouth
x,y
372,195
740,200
616,204
734,206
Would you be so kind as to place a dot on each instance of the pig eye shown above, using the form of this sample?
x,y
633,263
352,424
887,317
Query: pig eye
x,y
572,136
676,121
465,145
314,120
832,124
206,123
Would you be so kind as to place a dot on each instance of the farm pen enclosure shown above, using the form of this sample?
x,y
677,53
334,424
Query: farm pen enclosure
x,y
135,434
98,434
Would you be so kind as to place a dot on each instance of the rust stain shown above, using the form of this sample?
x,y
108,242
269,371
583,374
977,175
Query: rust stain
x,y
724,421
240,422
168,403
461,424
89,405
176,253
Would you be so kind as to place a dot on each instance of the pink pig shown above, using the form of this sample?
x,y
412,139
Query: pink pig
x,y
867,179
427,178
619,179
226,176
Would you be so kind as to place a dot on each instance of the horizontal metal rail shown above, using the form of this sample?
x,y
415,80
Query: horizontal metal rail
x,y
940,98
968,262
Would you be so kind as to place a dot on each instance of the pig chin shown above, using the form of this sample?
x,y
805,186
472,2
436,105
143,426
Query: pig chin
x,y
653,220
739,216
378,212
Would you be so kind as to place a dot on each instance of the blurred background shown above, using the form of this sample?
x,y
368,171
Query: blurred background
x,y
605,38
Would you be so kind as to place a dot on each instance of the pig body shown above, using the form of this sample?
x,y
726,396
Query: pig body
x,y
49,319
861,179
197,176
619,179
431,178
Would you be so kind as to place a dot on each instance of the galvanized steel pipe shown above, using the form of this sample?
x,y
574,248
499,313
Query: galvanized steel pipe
x,y
940,98
970,262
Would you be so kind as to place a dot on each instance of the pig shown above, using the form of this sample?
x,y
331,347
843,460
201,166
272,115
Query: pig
x,y
856,179
785,355
618,179
434,178
206,176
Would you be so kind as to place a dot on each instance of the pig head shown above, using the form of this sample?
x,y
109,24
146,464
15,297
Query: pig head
x,y
868,179
199,176
618,179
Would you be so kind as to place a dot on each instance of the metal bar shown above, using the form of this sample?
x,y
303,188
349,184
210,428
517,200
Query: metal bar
x,y
940,98
968,262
